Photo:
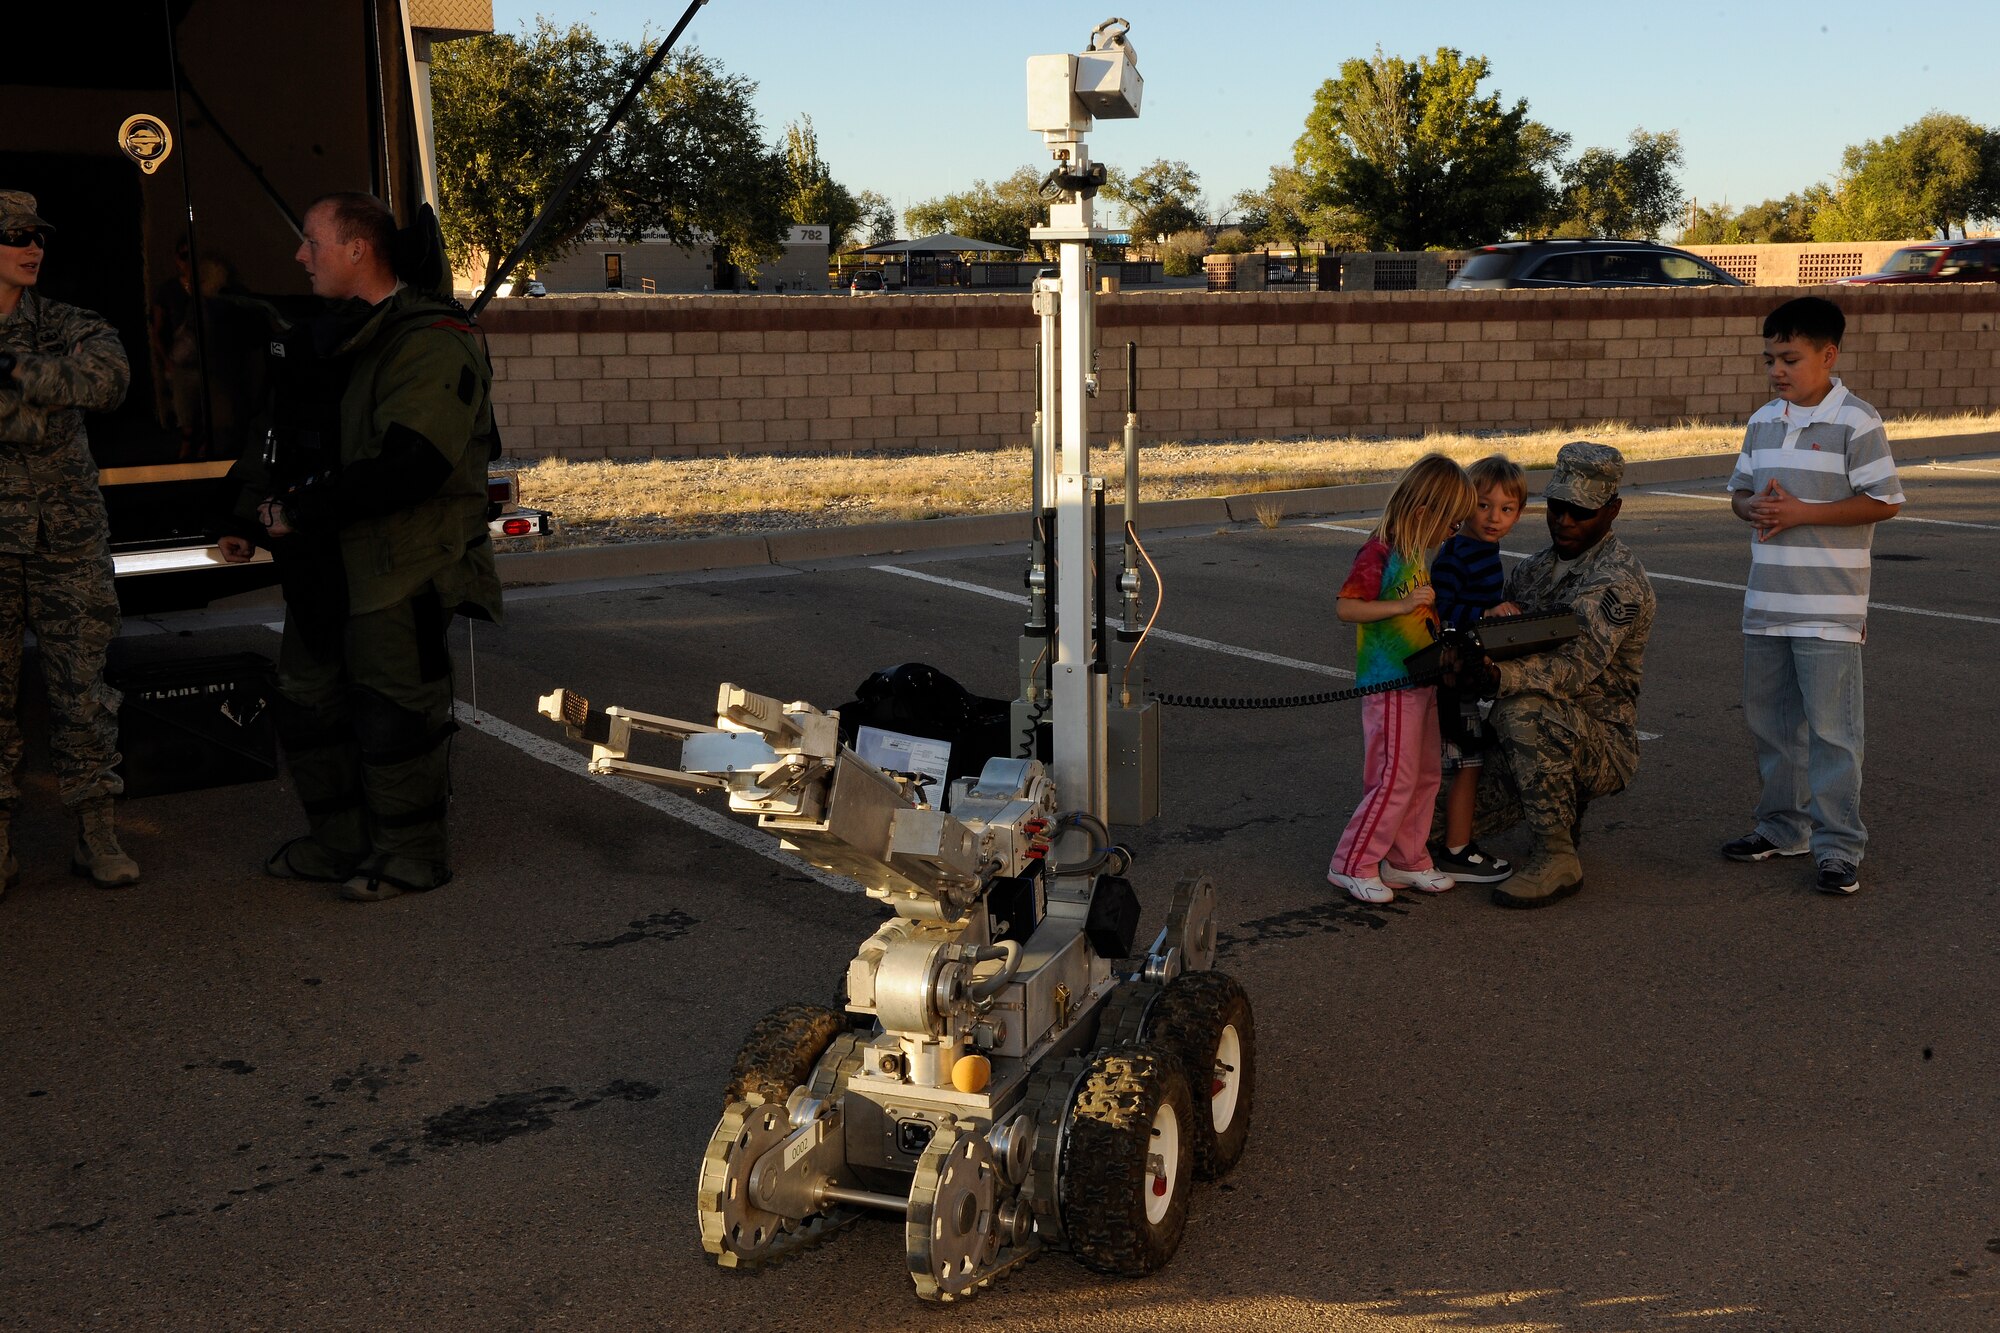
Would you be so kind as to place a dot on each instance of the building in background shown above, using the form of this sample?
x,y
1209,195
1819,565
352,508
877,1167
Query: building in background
x,y
654,264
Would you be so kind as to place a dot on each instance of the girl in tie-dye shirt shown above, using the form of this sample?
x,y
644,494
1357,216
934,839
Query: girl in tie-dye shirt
x,y
1388,598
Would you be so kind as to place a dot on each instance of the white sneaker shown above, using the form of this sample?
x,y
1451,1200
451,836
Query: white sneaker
x,y
1364,889
1423,881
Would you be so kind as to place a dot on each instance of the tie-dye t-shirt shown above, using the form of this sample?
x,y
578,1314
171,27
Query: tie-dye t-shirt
x,y
1383,575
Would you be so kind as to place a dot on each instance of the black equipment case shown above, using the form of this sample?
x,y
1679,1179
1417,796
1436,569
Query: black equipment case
x,y
198,722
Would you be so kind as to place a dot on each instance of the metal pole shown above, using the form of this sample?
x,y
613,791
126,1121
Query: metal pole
x,y
1128,582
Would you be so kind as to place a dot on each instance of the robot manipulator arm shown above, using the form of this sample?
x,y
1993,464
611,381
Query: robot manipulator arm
x,y
783,764
772,758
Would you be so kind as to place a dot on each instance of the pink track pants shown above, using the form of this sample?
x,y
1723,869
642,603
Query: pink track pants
x,y
1400,772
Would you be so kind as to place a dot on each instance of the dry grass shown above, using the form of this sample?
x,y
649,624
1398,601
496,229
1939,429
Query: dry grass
x,y
628,501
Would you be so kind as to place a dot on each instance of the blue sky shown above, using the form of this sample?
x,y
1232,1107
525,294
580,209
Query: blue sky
x,y
920,99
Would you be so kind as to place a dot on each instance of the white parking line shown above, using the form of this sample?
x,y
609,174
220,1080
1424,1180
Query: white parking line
x,y
1956,467
1738,587
1189,640
1900,518
1658,577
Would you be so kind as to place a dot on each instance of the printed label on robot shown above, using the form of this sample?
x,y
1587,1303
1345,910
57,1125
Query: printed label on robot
x,y
895,752
802,1145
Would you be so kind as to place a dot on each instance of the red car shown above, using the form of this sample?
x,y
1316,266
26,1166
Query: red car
x,y
1940,261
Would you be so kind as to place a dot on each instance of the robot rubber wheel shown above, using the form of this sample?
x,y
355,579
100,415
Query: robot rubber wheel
x,y
778,1055
1125,1177
1205,1019
780,1050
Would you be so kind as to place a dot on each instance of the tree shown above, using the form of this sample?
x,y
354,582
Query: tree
x,y
513,112
878,219
1421,158
1788,220
1290,211
1778,221
813,197
1001,212
1281,211
1159,199
1629,195
1923,179
1717,224
1181,253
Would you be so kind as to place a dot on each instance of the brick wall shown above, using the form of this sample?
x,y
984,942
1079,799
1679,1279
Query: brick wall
x,y
589,378
1797,265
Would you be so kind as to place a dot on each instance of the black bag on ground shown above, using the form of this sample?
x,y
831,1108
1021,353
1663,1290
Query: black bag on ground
x,y
919,700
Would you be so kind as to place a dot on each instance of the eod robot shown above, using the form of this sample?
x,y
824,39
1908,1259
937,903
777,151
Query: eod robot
x,y
1002,1078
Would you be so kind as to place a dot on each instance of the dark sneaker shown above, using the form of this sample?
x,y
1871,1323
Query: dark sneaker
x,y
1474,865
1757,847
372,886
1837,877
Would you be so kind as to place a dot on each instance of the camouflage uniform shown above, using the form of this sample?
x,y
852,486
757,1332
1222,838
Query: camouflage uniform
x,y
363,672
55,550
1566,721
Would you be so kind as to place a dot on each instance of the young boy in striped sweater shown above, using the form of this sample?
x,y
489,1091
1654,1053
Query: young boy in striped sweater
x,y
1814,479
1470,583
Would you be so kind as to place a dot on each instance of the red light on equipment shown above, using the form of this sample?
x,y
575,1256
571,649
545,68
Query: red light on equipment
x,y
517,527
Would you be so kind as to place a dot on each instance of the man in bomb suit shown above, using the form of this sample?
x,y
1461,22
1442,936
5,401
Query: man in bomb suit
x,y
56,362
1565,722
371,495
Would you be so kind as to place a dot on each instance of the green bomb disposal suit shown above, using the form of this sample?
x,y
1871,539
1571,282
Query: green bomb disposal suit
x,y
396,535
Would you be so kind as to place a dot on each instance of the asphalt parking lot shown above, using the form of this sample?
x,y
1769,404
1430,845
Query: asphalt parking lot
x,y
1697,1096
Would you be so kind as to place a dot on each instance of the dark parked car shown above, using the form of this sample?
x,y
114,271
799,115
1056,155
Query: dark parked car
x,y
1941,261
1587,264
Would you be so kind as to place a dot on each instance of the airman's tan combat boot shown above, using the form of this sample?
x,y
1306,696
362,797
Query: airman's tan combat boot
x,y
98,855
1552,874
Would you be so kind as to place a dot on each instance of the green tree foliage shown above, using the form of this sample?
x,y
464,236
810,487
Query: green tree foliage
x,y
1777,221
513,112
878,219
1181,253
1629,195
1001,212
813,197
1421,158
1159,199
1940,172
1289,211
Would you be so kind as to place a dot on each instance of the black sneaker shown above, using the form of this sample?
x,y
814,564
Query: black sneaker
x,y
1837,877
1471,866
1757,847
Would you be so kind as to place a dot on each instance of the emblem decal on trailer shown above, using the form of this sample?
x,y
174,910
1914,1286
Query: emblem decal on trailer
x,y
146,140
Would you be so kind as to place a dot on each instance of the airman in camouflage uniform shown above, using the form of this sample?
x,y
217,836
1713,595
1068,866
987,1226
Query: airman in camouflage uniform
x,y
1566,721
378,550
56,362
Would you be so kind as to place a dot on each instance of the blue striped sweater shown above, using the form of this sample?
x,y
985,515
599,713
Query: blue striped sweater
x,y
1468,579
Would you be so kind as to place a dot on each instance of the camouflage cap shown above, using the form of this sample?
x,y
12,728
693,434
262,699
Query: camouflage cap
x,y
17,209
1587,475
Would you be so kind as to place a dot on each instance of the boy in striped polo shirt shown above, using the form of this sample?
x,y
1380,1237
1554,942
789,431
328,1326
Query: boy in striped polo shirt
x,y
1814,478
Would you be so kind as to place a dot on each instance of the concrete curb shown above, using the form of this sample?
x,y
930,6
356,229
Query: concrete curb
x,y
579,564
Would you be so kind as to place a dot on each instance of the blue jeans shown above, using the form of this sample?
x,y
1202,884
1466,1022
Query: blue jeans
x,y
1802,701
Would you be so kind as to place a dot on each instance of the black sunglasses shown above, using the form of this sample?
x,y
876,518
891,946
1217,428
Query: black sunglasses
x,y
17,238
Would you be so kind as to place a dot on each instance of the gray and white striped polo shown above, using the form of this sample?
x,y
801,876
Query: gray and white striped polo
x,y
1812,581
